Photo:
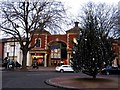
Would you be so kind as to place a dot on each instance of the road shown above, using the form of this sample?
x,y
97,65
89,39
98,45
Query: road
x,y
31,80
15,80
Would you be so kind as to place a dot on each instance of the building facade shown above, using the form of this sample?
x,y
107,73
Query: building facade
x,y
116,48
50,50
12,50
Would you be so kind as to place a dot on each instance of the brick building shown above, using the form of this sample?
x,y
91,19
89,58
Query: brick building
x,y
52,50
116,48
2,43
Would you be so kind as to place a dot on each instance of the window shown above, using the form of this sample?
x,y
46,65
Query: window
x,y
38,42
65,66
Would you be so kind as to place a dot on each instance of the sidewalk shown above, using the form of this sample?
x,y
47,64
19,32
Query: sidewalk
x,y
1,68
31,69
85,82
41,68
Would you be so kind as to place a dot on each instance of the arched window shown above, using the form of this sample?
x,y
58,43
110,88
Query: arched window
x,y
38,42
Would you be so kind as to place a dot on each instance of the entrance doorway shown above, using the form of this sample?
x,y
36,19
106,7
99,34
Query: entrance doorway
x,y
58,54
39,57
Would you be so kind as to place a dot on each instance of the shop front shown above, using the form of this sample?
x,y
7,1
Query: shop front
x,y
39,57
58,54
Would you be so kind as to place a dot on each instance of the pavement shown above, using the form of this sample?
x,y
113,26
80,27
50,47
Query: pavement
x,y
102,82
31,69
85,82
41,68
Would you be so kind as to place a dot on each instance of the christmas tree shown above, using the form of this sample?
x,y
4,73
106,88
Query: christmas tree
x,y
93,49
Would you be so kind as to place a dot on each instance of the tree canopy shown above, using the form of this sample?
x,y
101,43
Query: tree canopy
x,y
20,18
106,16
93,49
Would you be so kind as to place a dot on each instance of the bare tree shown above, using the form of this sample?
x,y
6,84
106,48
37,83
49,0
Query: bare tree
x,y
20,18
117,24
105,15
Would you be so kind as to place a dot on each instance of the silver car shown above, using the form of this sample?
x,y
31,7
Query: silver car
x,y
64,68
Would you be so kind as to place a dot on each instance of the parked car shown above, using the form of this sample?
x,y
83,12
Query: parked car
x,y
64,68
111,70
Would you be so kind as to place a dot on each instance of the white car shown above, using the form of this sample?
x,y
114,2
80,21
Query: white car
x,y
64,68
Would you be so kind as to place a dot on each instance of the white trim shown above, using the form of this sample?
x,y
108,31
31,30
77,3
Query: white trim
x,y
40,42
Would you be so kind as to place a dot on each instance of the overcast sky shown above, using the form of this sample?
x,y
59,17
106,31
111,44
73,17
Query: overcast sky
x,y
75,5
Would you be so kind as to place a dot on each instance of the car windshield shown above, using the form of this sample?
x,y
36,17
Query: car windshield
x,y
114,67
110,67
65,66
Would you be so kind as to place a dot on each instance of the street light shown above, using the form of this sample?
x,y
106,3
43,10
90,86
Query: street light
x,y
17,26
14,49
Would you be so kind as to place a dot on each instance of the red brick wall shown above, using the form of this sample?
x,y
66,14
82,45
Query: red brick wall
x,y
52,38
42,37
116,48
71,36
1,50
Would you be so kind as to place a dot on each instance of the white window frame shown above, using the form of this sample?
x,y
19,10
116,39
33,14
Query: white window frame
x,y
40,41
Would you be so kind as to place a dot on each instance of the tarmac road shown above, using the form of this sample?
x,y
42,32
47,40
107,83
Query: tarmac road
x,y
33,80
30,80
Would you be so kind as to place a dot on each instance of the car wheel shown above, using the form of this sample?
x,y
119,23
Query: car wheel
x,y
61,70
107,73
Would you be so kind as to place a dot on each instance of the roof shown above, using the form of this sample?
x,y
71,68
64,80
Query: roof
x,y
116,41
41,31
75,29
4,40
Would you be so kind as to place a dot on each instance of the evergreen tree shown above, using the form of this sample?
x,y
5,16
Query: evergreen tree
x,y
93,50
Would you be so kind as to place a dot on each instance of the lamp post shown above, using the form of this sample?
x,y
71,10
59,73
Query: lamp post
x,y
17,26
14,49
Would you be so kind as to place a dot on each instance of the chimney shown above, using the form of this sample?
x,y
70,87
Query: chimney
x,y
76,24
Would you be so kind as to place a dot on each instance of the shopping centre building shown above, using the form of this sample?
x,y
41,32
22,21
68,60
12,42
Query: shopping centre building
x,y
50,50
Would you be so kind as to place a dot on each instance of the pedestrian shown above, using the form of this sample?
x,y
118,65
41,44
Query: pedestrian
x,y
5,62
35,64
17,65
10,64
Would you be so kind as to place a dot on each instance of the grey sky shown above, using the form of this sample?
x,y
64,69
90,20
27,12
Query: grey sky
x,y
74,6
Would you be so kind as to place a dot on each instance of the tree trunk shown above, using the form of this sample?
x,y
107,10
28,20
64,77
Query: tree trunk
x,y
94,73
94,76
24,61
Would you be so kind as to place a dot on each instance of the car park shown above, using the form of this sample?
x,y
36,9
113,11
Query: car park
x,y
111,71
64,68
